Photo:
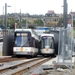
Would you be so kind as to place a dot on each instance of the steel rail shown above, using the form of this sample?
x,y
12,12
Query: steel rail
x,y
8,68
10,59
25,68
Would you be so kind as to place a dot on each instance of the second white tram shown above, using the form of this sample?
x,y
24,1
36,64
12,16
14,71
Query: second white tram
x,y
25,42
47,44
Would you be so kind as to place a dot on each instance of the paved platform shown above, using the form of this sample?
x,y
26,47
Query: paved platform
x,y
54,62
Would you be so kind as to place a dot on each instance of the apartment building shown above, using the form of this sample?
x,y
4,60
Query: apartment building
x,y
52,18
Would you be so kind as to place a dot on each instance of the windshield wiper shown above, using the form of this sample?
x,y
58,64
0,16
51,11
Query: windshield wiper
x,y
24,44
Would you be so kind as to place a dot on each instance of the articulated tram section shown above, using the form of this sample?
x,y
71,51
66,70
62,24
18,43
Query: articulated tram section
x,y
34,51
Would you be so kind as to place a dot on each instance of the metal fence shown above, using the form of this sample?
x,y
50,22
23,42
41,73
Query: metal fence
x,y
65,47
9,31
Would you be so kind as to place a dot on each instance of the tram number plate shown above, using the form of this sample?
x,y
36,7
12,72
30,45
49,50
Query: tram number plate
x,y
21,50
47,50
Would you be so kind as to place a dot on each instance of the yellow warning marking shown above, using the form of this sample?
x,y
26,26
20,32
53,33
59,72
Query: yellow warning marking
x,y
47,50
21,50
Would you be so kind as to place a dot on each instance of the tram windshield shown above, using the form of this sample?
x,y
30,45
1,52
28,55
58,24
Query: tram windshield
x,y
47,42
21,39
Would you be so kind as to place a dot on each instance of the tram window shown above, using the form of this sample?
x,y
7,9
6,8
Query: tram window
x,y
51,43
21,39
47,42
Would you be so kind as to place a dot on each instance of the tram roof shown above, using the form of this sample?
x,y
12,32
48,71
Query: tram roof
x,y
52,35
30,30
23,30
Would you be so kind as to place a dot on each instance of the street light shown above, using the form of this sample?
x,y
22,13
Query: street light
x,y
6,17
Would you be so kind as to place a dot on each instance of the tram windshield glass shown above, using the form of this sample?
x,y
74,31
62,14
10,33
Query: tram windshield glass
x,y
47,42
22,39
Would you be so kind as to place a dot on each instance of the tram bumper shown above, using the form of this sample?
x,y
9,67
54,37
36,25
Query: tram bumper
x,y
24,51
47,51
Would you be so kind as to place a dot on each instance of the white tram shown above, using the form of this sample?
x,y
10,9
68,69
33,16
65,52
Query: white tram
x,y
47,44
25,42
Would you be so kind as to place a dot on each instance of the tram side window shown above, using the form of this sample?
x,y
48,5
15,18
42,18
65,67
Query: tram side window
x,y
43,43
36,44
32,43
18,40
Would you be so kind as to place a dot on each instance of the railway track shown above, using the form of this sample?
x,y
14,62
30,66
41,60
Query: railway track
x,y
21,68
2,60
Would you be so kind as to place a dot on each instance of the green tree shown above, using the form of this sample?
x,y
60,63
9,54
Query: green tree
x,y
24,21
38,22
12,22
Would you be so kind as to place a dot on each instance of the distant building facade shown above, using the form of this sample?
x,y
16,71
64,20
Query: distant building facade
x,y
50,18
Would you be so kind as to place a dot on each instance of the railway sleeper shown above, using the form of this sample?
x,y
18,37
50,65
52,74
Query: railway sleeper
x,y
13,67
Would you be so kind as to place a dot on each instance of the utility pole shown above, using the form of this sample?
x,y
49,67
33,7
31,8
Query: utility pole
x,y
65,53
26,22
65,13
20,19
14,19
3,21
3,15
5,18
65,20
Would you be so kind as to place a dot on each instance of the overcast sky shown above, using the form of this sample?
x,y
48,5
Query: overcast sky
x,y
36,6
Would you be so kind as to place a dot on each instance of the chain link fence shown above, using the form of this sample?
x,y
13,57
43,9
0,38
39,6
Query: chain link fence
x,y
66,47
